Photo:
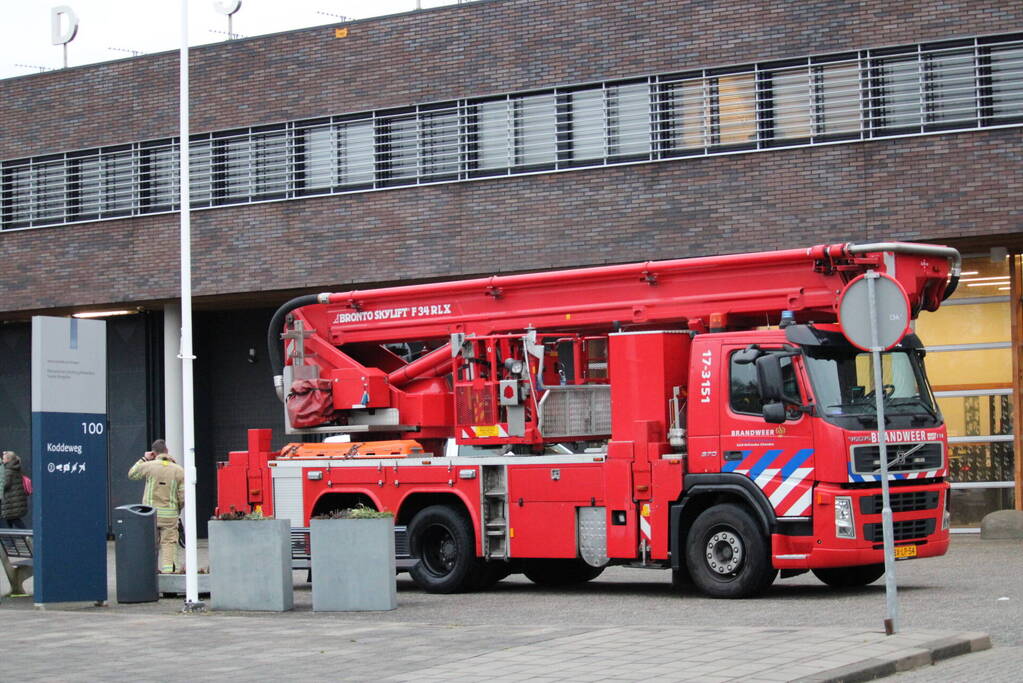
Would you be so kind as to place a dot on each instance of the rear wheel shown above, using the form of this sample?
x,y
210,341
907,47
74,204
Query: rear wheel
x,y
560,572
727,554
441,539
850,577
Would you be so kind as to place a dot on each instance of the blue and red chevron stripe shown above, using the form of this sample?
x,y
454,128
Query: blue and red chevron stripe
x,y
785,478
922,474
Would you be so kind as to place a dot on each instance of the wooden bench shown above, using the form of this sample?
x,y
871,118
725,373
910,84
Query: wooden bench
x,y
16,557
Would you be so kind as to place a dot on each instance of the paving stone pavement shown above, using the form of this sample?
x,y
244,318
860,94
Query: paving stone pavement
x,y
627,626
115,645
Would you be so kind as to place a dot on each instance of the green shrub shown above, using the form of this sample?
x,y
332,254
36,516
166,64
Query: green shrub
x,y
359,512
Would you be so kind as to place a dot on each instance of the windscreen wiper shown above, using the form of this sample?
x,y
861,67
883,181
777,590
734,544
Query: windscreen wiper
x,y
915,400
868,420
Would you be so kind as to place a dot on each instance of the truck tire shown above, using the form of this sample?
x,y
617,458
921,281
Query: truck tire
x,y
850,577
441,538
727,554
559,572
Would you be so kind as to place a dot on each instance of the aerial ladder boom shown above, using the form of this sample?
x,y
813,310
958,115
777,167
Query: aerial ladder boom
x,y
345,341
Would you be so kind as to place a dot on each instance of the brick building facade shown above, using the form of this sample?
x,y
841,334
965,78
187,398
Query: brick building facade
x,y
953,183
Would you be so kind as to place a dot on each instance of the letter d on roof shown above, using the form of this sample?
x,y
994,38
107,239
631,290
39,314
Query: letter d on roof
x,y
66,36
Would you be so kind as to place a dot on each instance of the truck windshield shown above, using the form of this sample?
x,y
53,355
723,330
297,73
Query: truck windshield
x,y
844,388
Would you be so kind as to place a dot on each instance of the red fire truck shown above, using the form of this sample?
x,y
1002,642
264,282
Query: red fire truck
x,y
705,415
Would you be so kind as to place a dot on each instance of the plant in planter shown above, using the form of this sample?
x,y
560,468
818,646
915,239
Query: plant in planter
x,y
250,562
361,511
353,560
233,515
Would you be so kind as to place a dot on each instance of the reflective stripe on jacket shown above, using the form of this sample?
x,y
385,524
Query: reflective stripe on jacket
x,y
165,481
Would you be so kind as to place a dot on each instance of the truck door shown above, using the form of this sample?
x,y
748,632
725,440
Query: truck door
x,y
777,457
706,388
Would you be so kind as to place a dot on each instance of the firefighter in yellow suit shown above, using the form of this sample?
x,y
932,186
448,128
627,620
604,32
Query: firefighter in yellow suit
x,y
165,491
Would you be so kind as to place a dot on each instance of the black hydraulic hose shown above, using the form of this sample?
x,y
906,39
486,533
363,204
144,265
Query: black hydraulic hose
x,y
950,288
274,348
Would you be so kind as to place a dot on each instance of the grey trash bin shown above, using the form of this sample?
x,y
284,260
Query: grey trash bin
x,y
135,545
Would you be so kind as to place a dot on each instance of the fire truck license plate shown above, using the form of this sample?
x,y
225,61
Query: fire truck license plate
x,y
903,552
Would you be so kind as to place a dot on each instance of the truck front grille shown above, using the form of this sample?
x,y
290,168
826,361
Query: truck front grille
x,y
911,501
901,531
867,459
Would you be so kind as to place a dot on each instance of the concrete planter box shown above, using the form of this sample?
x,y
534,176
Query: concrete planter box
x,y
250,565
174,584
353,565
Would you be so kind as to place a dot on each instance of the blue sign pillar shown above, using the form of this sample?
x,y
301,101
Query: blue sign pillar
x,y
69,459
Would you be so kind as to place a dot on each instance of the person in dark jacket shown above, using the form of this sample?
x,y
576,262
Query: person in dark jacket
x,y
14,504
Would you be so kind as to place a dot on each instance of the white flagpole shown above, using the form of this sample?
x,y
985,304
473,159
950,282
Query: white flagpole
x,y
188,412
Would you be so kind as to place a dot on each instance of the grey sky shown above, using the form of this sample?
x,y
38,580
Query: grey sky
x,y
113,29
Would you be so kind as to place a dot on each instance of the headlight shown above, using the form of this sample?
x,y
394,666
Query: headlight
x,y
845,521
946,517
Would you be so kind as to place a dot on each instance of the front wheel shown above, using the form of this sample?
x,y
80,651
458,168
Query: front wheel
x,y
441,539
727,554
850,577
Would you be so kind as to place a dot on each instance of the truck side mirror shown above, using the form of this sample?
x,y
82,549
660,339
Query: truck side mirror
x,y
747,355
771,380
775,413
769,377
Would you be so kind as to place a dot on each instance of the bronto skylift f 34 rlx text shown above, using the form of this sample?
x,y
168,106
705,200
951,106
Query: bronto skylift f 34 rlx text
x,y
705,415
